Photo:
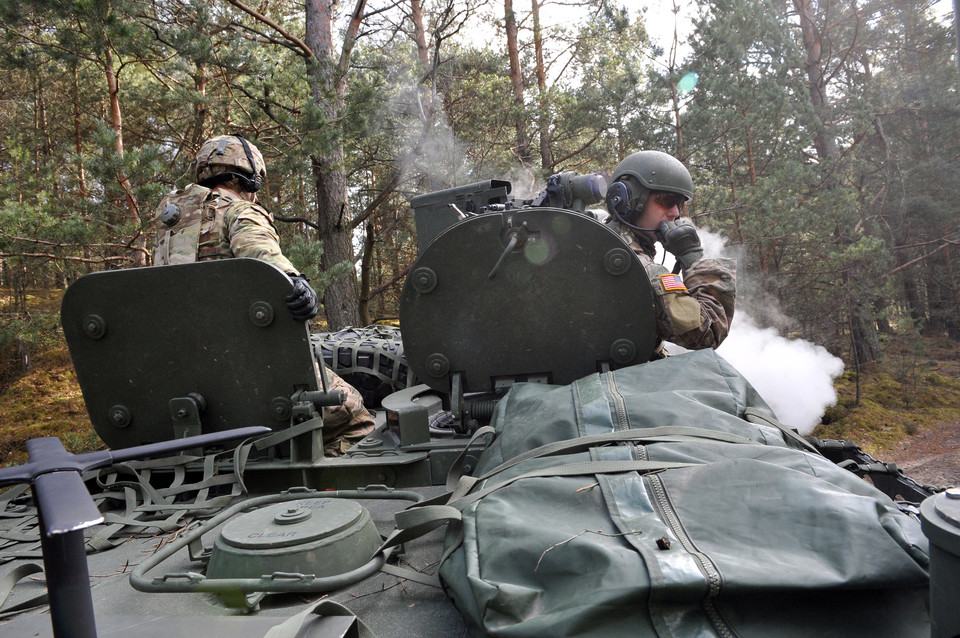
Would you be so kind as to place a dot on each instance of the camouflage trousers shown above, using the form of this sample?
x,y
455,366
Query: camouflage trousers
x,y
344,425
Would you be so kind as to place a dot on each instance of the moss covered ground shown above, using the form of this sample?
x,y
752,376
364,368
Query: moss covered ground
x,y
916,387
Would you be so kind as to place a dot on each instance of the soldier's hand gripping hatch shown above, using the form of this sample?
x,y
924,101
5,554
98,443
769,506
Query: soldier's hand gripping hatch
x,y
302,300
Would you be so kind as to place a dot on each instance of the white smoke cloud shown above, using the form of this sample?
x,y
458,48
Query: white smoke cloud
x,y
795,377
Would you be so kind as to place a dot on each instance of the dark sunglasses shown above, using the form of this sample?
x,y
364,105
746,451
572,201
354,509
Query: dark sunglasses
x,y
669,200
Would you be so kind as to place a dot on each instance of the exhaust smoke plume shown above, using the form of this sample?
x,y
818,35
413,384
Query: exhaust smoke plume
x,y
795,377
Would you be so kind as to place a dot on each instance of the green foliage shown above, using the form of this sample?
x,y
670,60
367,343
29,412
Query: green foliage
x,y
859,237
37,331
21,338
305,255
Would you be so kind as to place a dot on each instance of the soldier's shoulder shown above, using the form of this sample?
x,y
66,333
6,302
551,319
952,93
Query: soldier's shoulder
x,y
190,190
721,266
236,207
193,194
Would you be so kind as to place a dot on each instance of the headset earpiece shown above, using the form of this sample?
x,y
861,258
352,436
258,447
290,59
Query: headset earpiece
x,y
619,196
618,201
247,184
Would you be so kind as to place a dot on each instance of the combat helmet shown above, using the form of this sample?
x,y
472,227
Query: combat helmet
x,y
639,174
228,157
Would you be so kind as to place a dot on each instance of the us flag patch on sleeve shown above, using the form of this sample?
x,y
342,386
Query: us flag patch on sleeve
x,y
672,282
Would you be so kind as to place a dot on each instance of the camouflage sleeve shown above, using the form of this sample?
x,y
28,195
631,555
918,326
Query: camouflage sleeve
x,y
344,425
695,313
252,234
713,283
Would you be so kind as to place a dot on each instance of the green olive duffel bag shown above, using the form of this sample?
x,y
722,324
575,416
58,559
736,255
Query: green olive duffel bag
x,y
666,500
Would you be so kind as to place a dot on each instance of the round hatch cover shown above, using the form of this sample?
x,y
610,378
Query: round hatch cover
x,y
319,536
535,294
293,523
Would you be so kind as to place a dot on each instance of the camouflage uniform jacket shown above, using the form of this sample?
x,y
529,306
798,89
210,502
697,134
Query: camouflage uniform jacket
x,y
693,314
197,223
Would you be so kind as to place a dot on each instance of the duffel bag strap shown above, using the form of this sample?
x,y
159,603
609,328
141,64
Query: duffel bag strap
x,y
456,469
416,522
664,434
573,469
292,626
791,436
423,518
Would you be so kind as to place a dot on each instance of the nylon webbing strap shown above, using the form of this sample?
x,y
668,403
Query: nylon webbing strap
x,y
664,434
651,435
753,415
290,627
574,469
18,520
430,580
418,521
143,508
421,519
288,433
456,468
11,578
8,496
147,507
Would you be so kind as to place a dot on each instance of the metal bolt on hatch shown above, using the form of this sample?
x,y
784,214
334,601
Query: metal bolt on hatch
x,y
261,314
94,326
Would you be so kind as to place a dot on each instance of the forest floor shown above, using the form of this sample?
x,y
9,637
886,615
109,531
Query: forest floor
x,y
931,457
908,411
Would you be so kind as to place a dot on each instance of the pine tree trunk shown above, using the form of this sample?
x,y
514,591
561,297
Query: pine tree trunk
x,y
866,344
139,245
325,77
516,80
546,157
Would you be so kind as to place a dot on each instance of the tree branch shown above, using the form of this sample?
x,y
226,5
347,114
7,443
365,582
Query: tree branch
x,y
262,18
933,252
52,257
297,220
385,285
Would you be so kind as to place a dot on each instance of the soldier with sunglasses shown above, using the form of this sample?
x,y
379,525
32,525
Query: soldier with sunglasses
x,y
646,202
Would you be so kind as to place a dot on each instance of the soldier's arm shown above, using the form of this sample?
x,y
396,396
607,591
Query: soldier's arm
x,y
252,234
694,312
711,287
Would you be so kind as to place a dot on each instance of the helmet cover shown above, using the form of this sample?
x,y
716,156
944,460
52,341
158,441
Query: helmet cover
x,y
226,154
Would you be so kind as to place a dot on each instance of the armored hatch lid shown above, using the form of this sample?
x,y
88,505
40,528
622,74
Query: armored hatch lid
x,y
215,335
530,294
319,536
295,523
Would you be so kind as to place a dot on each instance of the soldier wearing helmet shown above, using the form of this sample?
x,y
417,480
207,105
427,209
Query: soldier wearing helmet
x,y
646,202
219,217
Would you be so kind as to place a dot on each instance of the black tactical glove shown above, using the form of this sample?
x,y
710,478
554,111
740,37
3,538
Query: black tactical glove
x,y
302,300
680,238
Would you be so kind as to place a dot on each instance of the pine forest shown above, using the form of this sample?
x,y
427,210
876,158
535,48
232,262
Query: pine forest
x,y
823,136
